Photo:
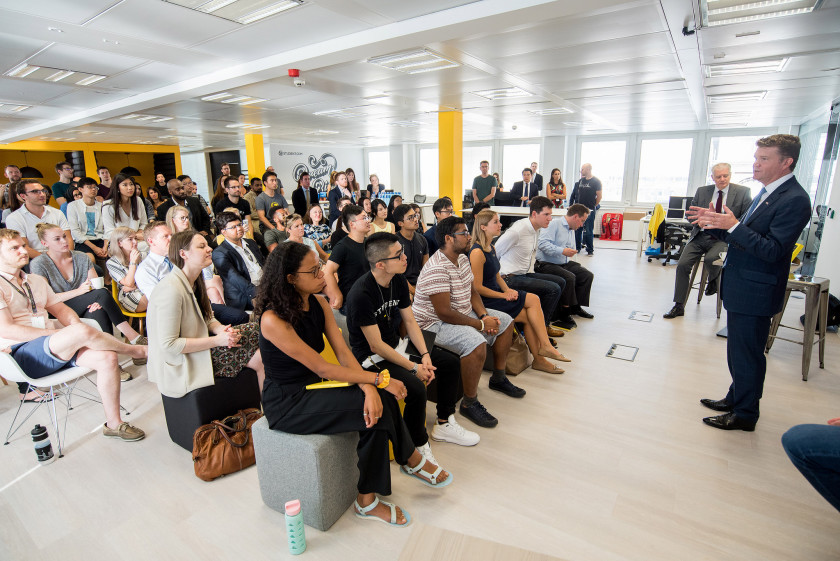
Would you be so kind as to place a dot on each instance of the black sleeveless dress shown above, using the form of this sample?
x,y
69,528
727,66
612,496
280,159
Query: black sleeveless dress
x,y
491,269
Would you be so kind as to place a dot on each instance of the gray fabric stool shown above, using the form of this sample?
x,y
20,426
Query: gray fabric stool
x,y
318,469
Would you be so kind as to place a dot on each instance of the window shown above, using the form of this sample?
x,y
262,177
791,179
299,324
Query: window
x,y
429,180
379,163
515,158
664,165
739,152
818,161
607,159
472,157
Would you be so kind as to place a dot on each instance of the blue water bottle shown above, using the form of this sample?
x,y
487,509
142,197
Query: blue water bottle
x,y
294,528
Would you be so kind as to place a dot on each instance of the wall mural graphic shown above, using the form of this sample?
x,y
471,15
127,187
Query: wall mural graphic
x,y
319,170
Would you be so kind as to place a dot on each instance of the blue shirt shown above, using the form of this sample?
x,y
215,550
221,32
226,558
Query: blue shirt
x,y
553,240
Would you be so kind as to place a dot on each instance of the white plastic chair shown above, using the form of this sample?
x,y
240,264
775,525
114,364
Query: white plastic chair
x,y
65,379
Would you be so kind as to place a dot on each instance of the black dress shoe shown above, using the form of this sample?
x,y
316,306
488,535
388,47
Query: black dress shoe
x,y
507,388
716,404
580,312
730,422
711,288
565,323
676,311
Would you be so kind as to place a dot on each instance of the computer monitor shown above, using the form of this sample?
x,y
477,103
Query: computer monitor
x,y
677,206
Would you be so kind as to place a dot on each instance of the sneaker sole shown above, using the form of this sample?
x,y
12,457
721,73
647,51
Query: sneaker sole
x,y
458,442
515,396
484,426
124,439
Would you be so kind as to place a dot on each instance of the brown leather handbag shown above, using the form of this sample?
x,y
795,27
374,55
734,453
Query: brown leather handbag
x,y
225,446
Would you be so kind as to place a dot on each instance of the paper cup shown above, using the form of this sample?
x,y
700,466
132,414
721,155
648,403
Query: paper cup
x,y
97,282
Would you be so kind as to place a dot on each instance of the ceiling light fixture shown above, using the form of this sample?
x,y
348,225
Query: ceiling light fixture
x,y
236,99
58,76
22,71
723,12
216,97
552,111
414,62
321,132
346,113
502,93
269,10
90,80
737,97
406,124
21,108
213,5
753,67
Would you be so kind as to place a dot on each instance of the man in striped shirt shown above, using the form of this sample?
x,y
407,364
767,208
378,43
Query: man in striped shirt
x,y
446,303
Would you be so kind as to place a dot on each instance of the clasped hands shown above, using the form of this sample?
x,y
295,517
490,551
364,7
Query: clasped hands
x,y
709,219
228,337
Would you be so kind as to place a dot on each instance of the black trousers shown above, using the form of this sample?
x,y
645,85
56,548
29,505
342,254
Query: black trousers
x,y
107,316
745,342
228,315
447,375
335,410
576,275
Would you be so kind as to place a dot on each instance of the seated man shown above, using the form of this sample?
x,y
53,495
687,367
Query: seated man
x,y
34,211
156,265
556,246
348,257
233,199
376,304
415,246
273,238
44,348
516,249
702,244
442,209
238,261
446,303
85,219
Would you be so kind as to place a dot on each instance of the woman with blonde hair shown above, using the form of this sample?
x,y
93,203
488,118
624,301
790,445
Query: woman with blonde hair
x,y
316,227
122,266
523,307
294,226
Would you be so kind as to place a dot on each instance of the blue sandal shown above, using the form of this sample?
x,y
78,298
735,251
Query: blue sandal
x,y
363,513
429,479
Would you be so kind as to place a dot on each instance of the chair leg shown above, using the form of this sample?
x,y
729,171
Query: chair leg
x,y
691,280
719,301
704,277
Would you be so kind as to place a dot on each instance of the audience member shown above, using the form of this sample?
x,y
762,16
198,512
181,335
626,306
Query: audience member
x,y
446,303
219,190
379,212
45,347
347,259
337,192
367,206
442,208
293,324
178,220
160,183
238,261
538,179
12,173
193,195
304,195
556,189
74,195
353,185
376,306
199,218
279,234
294,227
316,227
496,295
271,196
234,199
393,203
815,451
255,189
523,192
32,212
122,266
85,219
555,249
124,207
157,196
421,224
587,191
105,182
374,188
517,252
414,245
65,179
184,355
484,185
498,181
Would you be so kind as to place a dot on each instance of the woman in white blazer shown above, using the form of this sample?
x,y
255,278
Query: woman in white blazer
x,y
124,207
189,345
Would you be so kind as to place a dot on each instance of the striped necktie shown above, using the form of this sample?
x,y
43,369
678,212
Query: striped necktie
x,y
754,204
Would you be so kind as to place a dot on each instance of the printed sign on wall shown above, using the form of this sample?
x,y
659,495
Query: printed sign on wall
x,y
290,161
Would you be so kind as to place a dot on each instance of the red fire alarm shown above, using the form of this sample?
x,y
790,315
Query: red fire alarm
x,y
294,73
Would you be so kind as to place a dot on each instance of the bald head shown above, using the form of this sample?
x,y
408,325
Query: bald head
x,y
586,171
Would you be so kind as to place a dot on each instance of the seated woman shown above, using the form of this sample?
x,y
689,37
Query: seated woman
x,y
69,274
292,328
158,195
294,226
183,354
522,306
316,227
124,207
419,212
395,201
122,266
273,238
178,220
379,211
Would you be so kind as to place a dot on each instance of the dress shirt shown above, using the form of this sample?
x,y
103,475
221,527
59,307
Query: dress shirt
x,y
768,190
553,240
25,222
715,196
517,248
250,260
150,271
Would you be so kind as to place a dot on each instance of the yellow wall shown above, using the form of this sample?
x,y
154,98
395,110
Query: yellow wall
x,y
42,161
115,161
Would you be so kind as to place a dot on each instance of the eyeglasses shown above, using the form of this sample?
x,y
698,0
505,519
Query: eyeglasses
x,y
235,226
314,272
66,169
399,255
412,217
36,192
363,217
182,218
464,233
445,212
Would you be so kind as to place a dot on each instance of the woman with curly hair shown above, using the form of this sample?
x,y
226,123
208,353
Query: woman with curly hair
x,y
293,324
316,227
556,189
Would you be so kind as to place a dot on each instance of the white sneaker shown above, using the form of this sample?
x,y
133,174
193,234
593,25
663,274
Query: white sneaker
x,y
452,432
426,452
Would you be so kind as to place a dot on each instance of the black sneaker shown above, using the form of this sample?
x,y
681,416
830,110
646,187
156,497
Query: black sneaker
x,y
479,415
565,323
507,388
580,312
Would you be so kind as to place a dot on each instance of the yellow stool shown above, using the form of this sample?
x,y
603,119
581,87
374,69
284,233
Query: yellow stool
x,y
115,293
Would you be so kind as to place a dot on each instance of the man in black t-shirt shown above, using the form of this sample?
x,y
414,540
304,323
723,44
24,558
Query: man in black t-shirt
x,y
376,305
348,257
234,199
415,245
587,192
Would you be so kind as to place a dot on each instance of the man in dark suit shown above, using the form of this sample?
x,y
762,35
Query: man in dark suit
x,y
755,273
199,219
238,261
303,192
538,179
525,190
702,244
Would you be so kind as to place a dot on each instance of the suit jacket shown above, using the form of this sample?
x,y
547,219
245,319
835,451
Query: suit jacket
x,y
299,199
516,192
239,290
333,197
199,219
173,317
738,200
538,179
760,249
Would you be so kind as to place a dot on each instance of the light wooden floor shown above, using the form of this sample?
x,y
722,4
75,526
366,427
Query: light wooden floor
x,y
609,461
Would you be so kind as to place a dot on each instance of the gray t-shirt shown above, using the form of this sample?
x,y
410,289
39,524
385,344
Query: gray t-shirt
x,y
483,186
275,236
266,203
44,266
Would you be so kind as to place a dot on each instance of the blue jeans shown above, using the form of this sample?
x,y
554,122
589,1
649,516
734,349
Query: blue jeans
x,y
815,451
548,289
585,236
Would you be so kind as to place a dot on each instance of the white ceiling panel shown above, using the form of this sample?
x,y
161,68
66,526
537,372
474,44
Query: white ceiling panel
x,y
398,11
84,60
75,11
15,49
30,92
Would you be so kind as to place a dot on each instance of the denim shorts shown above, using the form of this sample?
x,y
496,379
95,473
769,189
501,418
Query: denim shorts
x,y
463,339
36,360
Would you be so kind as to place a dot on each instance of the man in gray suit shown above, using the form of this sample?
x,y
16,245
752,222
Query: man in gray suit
x,y
701,244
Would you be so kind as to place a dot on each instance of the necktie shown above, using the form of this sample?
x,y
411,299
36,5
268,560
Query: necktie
x,y
168,263
754,204
719,203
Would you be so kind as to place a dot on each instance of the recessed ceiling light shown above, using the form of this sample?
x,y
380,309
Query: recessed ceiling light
x,y
406,124
55,30
269,10
247,126
723,12
22,71
238,11
213,5
90,80
146,118
250,101
414,62
502,93
60,75
346,113
21,108
737,97
730,118
162,119
132,116
216,97
552,111
753,67
236,99
321,132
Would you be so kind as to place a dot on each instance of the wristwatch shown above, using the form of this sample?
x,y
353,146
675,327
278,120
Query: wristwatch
x,y
385,378
414,370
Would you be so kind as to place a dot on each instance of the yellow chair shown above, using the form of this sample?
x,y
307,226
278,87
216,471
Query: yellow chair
x,y
141,316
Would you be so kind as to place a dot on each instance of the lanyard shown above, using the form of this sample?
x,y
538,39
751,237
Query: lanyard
x,y
27,294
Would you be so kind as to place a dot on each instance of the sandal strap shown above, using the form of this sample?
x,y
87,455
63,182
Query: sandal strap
x,y
418,469
393,511
368,508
